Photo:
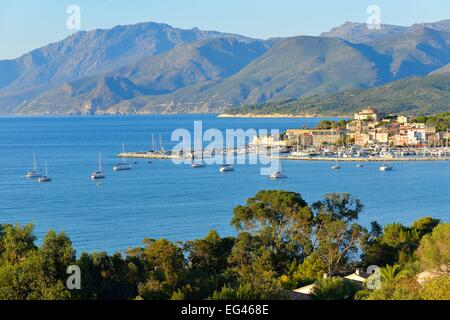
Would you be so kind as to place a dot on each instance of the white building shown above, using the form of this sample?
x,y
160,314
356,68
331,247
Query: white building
x,y
417,136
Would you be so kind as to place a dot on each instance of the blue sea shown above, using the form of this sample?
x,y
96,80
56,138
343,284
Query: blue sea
x,y
164,200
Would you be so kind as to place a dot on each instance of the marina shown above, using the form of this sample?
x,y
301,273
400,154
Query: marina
x,y
159,199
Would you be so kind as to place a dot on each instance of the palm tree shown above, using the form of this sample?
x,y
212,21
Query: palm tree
x,y
393,273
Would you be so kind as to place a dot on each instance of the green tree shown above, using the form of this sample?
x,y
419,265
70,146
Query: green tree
x,y
404,289
166,260
57,254
27,280
336,238
397,243
436,289
280,222
393,273
207,262
334,288
17,243
425,225
434,250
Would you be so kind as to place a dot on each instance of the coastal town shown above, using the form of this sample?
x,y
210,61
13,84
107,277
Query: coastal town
x,y
369,134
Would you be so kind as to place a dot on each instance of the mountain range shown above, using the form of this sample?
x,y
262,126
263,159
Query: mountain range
x,y
155,68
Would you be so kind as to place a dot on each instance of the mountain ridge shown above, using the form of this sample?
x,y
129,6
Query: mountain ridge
x,y
156,68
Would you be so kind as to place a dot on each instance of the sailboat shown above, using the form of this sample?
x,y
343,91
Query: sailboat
x,y
34,174
99,174
45,178
337,166
278,174
197,165
122,166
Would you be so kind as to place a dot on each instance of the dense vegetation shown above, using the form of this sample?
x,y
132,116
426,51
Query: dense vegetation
x,y
282,243
330,124
441,120
412,96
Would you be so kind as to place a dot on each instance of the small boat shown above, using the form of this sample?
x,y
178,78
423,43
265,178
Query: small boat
x,y
197,165
45,178
99,174
360,165
386,167
122,166
226,168
337,166
277,175
35,173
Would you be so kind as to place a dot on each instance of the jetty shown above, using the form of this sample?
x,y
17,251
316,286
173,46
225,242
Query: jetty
x,y
179,156
369,159
150,155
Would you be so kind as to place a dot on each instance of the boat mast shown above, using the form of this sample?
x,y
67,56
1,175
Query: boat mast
x,y
153,143
34,161
161,142
123,153
100,162
46,168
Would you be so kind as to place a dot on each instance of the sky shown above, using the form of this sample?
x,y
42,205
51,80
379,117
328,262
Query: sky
x,y
29,24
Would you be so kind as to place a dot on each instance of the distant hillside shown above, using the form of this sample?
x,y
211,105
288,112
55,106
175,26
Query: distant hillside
x,y
185,65
155,68
413,96
89,54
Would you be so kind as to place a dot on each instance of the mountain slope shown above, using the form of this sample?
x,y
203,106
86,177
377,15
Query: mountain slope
x,y
416,50
155,68
292,67
413,96
360,33
92,53
185,65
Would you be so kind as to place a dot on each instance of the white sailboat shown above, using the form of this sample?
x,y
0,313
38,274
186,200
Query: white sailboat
x,y
45,178
122,166
196,164
35,173
99,174
278,174
337,166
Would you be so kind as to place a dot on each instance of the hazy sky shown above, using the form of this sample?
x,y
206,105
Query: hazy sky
x,y
29,24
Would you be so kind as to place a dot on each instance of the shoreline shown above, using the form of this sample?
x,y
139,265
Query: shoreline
x,y
277,115
143,155
322,159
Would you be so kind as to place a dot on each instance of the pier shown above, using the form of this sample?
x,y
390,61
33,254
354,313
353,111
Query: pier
x,y
170,156
373,159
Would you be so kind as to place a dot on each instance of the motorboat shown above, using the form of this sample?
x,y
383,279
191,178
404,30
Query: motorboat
x,y
226,168
277,175
386,167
